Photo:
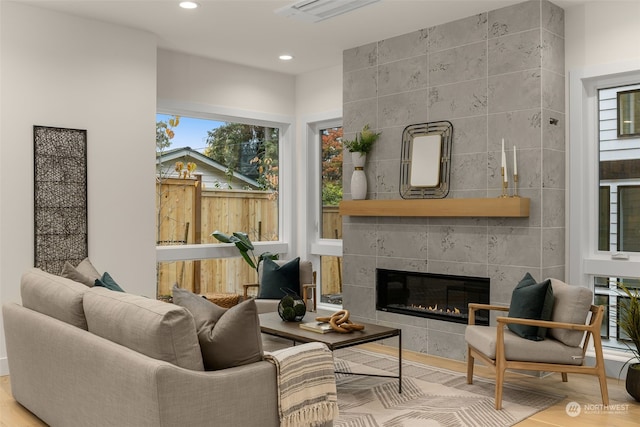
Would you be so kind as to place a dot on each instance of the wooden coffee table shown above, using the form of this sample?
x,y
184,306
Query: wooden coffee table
x,y
272,324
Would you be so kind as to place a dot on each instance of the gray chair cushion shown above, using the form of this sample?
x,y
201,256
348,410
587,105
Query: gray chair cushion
x,y
54,296
571,305
157,329
483,338
228,337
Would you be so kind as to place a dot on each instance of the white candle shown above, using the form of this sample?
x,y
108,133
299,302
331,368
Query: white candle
x,y
515,161
506,174
504,162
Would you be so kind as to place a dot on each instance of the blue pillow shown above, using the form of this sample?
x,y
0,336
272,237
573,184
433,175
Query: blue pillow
x,y
279,280
106,281
531,300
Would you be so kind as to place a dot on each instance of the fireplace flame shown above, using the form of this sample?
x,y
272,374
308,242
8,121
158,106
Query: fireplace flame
x,y
435,309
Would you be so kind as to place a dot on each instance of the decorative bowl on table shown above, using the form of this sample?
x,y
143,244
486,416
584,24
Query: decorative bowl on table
x,y
292,308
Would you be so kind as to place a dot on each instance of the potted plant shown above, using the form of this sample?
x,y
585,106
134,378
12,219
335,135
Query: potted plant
x,y
244,245
629,322
359,147
364,141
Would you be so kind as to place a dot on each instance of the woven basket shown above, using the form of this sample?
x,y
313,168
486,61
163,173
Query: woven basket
x,y
223,300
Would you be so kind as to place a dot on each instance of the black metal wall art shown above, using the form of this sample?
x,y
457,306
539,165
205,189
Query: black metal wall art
x,y
60,197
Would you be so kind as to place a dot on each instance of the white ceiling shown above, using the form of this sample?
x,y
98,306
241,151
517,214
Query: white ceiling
x,y
248,32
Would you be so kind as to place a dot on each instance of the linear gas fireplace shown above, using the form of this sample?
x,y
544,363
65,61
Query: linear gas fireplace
x,y
436,296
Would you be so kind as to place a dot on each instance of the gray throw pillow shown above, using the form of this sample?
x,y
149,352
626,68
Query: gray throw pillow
x,y
228,337
531,300
84,273
572,304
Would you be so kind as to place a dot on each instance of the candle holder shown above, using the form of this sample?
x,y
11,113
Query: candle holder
x,y
505,184
515,185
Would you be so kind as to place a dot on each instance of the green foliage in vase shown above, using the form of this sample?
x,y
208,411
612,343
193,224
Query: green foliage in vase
x,y
364,141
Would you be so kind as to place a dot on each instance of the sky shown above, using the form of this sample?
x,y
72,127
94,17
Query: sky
x,y
190,132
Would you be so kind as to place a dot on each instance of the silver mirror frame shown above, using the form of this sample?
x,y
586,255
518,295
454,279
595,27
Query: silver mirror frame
x,y
440,164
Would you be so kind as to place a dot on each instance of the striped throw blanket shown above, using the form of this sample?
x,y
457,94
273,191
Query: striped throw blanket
x,y
306,385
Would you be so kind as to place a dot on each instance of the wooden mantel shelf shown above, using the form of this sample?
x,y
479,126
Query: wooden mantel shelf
x,y
515,207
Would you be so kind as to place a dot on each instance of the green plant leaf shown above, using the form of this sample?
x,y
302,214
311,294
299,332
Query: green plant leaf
x,y
246,257
629,320
221,236
242,242
244,238
267,255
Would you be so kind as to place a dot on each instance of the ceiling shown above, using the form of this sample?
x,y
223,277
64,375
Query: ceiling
x,y
248,32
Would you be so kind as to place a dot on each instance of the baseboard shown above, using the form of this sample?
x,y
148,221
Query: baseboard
x,y
615,363
4,366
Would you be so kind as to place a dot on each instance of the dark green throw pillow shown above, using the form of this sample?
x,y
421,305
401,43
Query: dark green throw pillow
x,y
531,300
106,281
277,279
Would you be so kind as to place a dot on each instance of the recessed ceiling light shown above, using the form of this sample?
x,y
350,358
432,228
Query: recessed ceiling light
x,y
188,4
286,57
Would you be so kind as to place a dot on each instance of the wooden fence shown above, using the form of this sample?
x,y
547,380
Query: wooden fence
x,y
188,214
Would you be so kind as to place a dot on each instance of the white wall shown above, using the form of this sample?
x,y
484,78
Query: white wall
x,y
63,71
318,98
223,87
597,33
601,32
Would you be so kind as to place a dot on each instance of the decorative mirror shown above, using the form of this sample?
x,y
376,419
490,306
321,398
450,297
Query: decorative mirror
x,y
425,161
629,113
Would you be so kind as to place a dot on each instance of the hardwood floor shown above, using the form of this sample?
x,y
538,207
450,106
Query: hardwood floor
x,y
582,389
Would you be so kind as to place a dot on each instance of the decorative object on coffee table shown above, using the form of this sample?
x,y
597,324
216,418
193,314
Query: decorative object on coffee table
x,y
291,307
340,322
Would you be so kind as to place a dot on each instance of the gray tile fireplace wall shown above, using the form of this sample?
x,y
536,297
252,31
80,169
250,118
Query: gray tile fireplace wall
x,y
495,75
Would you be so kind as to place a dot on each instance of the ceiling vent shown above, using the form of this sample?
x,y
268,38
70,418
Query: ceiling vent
x,y
319,10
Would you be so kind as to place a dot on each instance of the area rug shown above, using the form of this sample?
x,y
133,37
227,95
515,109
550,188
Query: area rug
x,y
431,397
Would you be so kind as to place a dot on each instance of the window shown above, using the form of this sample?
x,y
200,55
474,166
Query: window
x,y
215,175
331,181
619,209
330,219
629,218
604,218
603,194
326,240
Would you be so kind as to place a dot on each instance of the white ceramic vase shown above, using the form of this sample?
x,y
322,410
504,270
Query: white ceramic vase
x,y
358,179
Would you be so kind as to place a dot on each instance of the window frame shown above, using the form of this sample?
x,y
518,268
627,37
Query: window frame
x,y
316,245
285,124
584,260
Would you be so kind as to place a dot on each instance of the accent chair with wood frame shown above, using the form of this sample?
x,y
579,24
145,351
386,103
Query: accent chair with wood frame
x,y
563,349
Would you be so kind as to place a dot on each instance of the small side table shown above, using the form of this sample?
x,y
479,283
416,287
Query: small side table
x,y
226,300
